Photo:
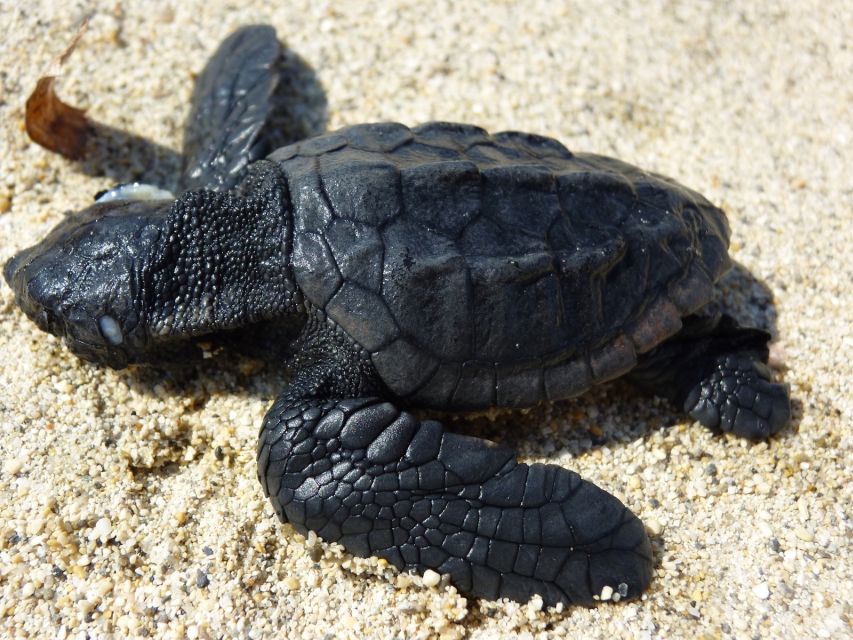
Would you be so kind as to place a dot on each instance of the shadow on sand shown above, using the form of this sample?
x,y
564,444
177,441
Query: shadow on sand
x,y
300,111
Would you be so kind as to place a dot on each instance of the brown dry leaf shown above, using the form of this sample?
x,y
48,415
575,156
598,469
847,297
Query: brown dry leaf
x,y
50,122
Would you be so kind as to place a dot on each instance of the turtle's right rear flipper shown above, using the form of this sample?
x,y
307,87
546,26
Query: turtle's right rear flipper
x,y
232,103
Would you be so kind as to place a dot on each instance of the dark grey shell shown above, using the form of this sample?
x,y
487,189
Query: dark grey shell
x,y
481,270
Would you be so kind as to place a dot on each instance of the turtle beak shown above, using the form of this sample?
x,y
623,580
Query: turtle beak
x,y
17,276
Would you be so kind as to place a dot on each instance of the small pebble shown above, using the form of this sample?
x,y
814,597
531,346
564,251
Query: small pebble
x,y
654,526
536,603
431,578
606,593
201,579
102,529
291,583
804,534
761,591
13,466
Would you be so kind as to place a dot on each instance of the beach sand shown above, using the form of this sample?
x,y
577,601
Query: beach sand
x,y
129,503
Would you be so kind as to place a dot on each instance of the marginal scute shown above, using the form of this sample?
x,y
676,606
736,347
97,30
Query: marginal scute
x,y
382,137
567,379
438,391
613,359
519,388
660,320
451,134
284,153
692,291
541,146
322,144
476,386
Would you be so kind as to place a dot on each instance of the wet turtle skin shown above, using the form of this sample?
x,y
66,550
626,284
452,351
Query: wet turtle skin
x,y
435,267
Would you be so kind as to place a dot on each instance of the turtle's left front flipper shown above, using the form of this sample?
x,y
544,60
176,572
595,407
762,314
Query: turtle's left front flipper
x,y
359,471
232,102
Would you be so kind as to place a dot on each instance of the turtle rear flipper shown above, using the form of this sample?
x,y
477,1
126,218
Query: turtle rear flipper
x,y
231,105
717,372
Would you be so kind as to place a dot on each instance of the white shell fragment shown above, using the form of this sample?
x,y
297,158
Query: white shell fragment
x,y
111,330
431,578
136,191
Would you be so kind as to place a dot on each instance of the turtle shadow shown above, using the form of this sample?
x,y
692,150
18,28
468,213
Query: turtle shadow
x,y
749,299
300,110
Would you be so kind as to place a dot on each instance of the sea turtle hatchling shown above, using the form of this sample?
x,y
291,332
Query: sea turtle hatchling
x,y
436,267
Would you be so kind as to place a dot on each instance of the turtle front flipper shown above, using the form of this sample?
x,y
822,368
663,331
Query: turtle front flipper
x,y
232,102
359,471
717,372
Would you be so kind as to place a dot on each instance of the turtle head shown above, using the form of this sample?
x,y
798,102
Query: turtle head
x,y
149,281
85,281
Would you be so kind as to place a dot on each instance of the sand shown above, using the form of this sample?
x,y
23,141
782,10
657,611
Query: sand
x,y
128,500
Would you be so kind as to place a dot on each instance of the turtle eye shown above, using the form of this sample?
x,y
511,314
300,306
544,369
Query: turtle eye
x,y
111,330
134,191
